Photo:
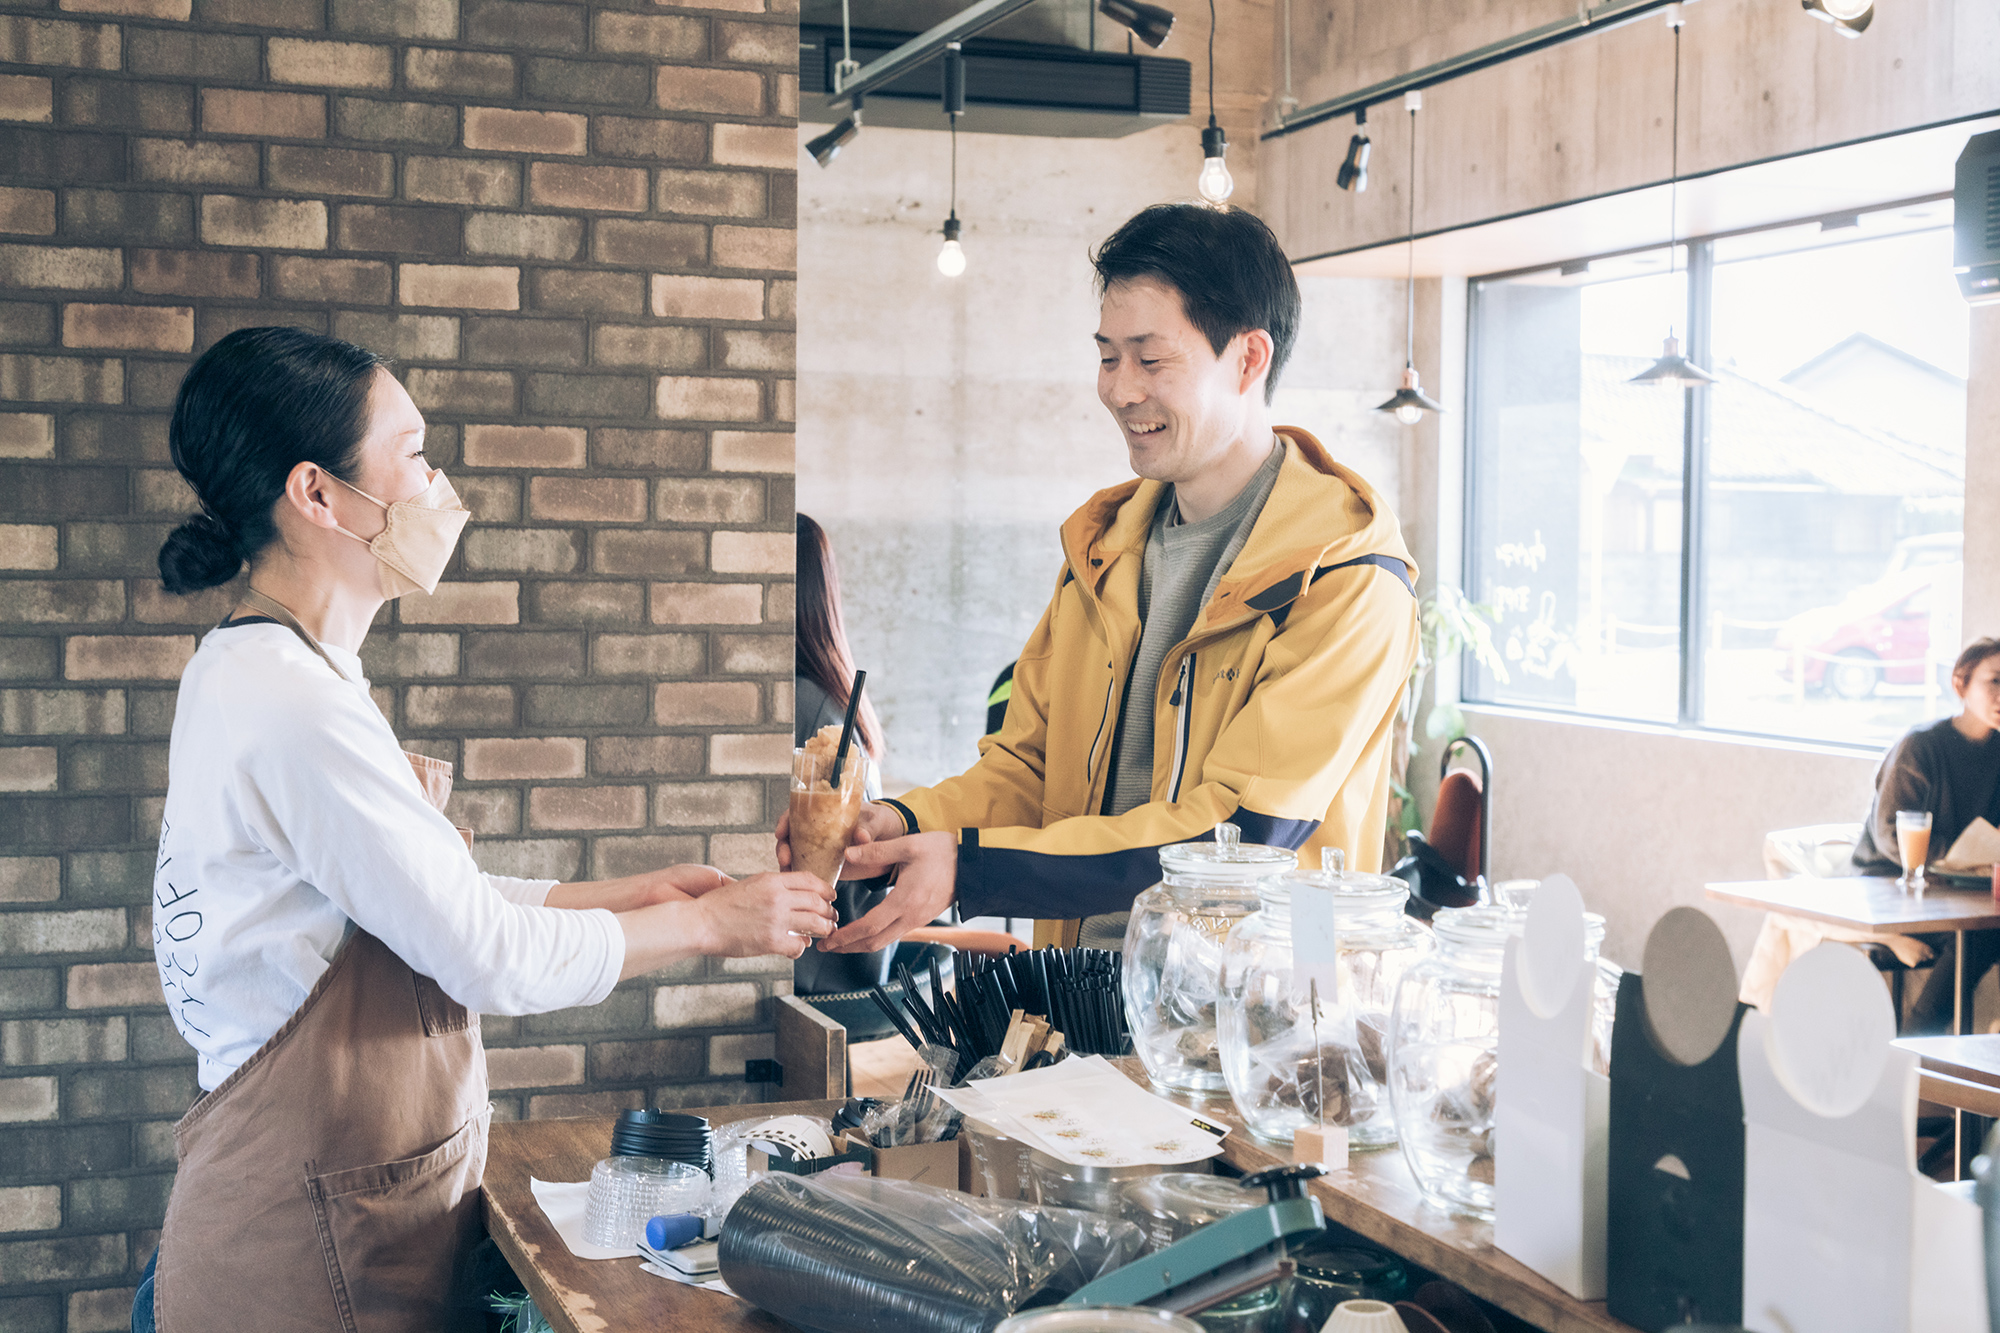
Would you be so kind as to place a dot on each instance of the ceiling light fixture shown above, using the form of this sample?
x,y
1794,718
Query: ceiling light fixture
x,y
1149,23
1673,369
1353,173
951,255
827,146
1850,18
1410,402
1214,182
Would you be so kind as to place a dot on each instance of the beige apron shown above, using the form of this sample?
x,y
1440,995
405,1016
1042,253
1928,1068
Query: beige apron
x,y
331,1183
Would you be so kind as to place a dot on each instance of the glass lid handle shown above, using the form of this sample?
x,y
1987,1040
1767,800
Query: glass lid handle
x,y
1226,837
1333,860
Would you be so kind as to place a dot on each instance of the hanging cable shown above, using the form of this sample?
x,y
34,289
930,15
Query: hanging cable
x,y
1410,402
1672,368
1215,184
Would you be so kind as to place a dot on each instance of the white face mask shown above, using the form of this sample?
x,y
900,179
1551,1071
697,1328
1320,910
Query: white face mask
x,y
416,543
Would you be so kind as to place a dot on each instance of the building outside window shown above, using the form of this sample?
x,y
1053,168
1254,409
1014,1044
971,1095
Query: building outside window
x,y
1779,553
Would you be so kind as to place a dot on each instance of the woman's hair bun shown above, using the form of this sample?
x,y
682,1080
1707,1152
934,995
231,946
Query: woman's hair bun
x,y
200,553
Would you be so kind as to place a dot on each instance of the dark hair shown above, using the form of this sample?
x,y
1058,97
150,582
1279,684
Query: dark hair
x,y
823,656
253,407
1968,661
1229,269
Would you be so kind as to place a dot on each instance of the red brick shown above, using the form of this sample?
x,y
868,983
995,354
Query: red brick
x,y
647,552
313,170
112,985
151,9
265,115
403,232
785,400
756,349
139,327
581,500
593,603
563,185
664,37
464,286
500,129
526,550
27,435
463,604
658,346
696,398
649,756
706,703
32,41
758,43
404,337
462,392
587,807
635,243
27,768
672,450
708,804
756,146
330,64
194,273
524,235
61,266
27,212
679,297
485,73
753,451
529,757
490,182
658,141
524,446
769,753
589,292
784,299
707,603
347,281
757,247
709,500
785,102
62,379
290,224
26,97
133,657
731,194
754,654
33,545
728,92
533,1066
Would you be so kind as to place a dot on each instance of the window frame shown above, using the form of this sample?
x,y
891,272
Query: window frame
x,y
1696,427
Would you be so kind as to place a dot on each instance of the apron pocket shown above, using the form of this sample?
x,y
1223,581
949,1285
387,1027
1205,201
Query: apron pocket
x,y
442,1015
393,1234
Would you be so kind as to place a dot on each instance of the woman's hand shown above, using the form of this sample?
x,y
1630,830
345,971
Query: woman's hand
x,y
878,822
741,918
675,884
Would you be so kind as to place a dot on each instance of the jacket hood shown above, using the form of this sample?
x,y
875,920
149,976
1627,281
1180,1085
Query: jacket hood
x,y
1319,514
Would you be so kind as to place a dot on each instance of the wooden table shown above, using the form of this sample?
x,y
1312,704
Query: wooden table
x,y
1873,905
1375,1196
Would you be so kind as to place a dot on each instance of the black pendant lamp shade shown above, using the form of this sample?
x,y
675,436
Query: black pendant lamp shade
x,y
1673,369
1410,402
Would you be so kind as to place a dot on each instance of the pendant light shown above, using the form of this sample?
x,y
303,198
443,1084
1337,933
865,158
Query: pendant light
x,y
1215,183
1673,369
1410,402
1849,18
951,256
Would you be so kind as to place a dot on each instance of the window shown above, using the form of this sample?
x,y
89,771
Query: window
x,y
1779,553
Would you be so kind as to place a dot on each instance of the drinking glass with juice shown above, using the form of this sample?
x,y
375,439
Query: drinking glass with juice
x,y
1913,843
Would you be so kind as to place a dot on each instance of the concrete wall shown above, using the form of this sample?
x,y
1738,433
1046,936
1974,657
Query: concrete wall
x,y
572,224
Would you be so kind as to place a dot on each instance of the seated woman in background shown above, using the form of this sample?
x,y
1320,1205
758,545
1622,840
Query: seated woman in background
x,y
1951,768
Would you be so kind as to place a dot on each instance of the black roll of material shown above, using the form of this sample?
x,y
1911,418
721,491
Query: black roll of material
x,y
851,1254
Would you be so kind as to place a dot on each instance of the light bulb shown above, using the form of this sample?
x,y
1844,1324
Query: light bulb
x,y
1215,182
951,259
1409,414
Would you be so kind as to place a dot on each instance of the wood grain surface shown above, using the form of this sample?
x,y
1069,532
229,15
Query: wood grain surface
x,y
1870,903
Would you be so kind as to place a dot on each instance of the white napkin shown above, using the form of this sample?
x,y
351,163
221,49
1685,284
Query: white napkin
x,y
563,1204
1976,849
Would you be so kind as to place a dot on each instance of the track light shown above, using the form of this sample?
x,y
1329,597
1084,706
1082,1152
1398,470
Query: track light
x,y
1353,174
1149,23
1850,18
827,146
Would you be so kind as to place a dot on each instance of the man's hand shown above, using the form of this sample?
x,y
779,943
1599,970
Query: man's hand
x,y
878,823
926,883
765,914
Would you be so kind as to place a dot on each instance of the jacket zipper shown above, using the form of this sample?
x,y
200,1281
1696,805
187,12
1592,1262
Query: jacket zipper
x,y
1183,702
1110,692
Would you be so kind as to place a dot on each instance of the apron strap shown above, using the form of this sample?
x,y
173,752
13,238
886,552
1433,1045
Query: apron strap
x,y
281,613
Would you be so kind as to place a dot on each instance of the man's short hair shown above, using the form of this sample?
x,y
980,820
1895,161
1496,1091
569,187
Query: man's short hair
x,y
1229,269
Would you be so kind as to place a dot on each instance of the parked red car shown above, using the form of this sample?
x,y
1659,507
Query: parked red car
x,y
1880,633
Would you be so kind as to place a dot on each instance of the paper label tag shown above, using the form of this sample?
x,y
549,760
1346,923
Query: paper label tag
x,y
1315,951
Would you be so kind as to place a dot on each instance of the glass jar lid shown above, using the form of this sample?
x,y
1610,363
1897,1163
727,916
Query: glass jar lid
x,y
1226,861
1355,892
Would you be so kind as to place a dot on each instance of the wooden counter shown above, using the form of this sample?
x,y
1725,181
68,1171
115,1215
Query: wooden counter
x,y
1375,1196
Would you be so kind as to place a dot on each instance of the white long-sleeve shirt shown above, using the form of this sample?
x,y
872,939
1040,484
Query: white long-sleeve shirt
x,y
292,812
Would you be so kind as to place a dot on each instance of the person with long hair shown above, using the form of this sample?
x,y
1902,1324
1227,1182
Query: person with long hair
x,y
824,673
324,938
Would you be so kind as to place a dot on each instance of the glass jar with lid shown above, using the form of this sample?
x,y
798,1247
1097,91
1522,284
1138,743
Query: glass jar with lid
x,y
1444,1040
1288,1064
1173,952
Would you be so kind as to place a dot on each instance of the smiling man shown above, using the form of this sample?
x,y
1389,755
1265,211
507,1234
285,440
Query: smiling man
x,y
1228,640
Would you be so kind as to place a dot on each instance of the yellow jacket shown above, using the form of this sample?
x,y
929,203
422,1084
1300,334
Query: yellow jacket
x,y
1275,712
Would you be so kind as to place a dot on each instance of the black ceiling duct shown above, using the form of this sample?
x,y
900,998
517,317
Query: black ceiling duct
x,y
1010,87
1975,255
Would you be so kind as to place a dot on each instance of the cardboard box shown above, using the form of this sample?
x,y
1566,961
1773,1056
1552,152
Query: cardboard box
x,y
935,1164
858,1153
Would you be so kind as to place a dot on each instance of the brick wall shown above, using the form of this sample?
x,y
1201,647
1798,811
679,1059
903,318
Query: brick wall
x,y
572,225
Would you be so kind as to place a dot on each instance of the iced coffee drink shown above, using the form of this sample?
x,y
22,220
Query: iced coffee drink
x,y
823,819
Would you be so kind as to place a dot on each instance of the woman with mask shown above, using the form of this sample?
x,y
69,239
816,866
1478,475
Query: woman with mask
x,y
324,938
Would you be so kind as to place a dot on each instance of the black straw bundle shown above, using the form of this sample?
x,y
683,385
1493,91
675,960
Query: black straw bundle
x,y
1079,992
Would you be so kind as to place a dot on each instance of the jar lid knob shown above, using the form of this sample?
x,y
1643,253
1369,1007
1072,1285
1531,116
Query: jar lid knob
x,y
1226,837
1332,860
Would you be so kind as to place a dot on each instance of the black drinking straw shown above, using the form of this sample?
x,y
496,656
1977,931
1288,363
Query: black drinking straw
x,y
847,727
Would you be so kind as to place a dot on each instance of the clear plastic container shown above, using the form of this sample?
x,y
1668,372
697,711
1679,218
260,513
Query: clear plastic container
x,y
626,1191
1173,953
1174,1204
1444,1038
1095,1189
1287,1064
